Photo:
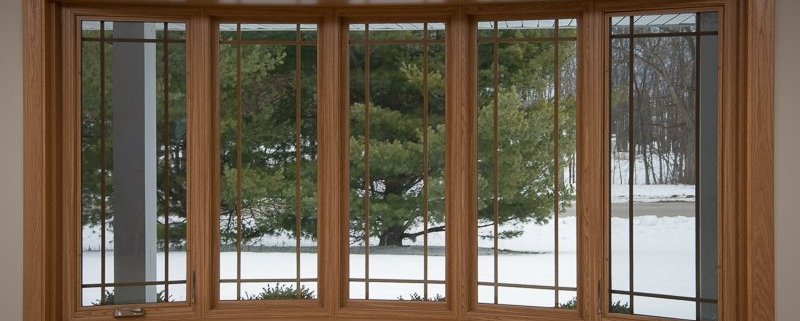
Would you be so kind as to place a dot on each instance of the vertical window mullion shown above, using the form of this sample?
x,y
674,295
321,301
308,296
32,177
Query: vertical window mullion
x,y
166,138
239,168
631,157
697,222
425,166
298,157
556,156
366,162
495,169
103,169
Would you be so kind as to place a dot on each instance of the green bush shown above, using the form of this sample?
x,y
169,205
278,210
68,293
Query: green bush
x,y
616,307
571,304
416,297
109,298
621,307
281,292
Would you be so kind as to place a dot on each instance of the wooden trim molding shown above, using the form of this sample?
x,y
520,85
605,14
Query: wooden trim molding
x,y
42,272
759,226
746,255
35,275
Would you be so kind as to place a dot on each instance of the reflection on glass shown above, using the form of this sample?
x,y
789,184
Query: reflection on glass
x,y
527,245
663,165
268,164
133,162
397,128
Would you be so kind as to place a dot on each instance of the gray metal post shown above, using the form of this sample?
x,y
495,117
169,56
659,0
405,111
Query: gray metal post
x,y
134,172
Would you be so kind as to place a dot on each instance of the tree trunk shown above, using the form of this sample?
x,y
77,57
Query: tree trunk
x,y
392,236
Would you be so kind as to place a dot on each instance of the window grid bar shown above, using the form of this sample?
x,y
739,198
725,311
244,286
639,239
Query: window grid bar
x,y
103,173
267,280
425,159
366,161
631,157
611,25
526,39
698,294
666,296
664,34
556,180
528,286
270,42
239,163
401,281
126,284
495,142
166,142
298,192
135,40
400,41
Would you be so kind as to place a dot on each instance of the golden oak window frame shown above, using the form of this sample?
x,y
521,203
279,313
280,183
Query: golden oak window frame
x,y
745,112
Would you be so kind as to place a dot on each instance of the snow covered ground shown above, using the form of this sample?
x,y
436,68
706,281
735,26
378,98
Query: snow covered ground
x,y
663,252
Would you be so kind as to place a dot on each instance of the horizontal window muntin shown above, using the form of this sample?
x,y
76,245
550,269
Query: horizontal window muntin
x,y
268,143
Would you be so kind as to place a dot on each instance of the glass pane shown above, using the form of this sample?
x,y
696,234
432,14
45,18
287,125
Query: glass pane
x,y
665,23
396,31
620,25
486,30
397,135
133,179
620,147
529,29
527,226
709,21
268,149
663,169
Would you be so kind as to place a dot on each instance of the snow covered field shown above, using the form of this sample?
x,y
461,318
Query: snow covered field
x,y
664,263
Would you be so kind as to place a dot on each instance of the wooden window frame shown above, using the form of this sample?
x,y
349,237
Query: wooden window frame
x,y
485,311
261,308
70,212
746,254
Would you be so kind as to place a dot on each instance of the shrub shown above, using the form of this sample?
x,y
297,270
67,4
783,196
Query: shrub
x,y
571,304
109,298
621,307
416,297
281,292
616,307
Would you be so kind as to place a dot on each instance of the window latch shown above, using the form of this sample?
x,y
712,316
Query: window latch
x,y
128,312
